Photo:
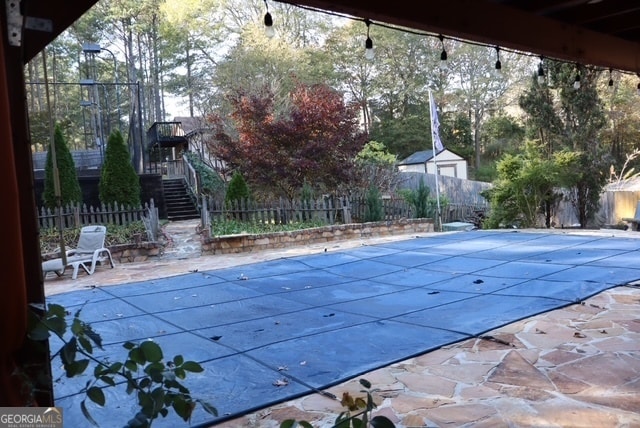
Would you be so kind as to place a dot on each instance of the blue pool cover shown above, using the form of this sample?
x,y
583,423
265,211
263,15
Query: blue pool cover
x,y
317,320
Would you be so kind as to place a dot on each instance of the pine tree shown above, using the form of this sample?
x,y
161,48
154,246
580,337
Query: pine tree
x,y
70,192
119,182
238,189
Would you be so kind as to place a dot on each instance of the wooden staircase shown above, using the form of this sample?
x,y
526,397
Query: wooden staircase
x,y
179,200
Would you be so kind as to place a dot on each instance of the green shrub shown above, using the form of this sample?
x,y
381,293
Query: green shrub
x,y
210,182
238,189
373,210
70,192
419,200
116,234
119,181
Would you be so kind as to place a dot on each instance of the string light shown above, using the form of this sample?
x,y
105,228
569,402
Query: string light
x,y
541,75
498,68
576,82
443,55
368,44
611,77
268,22
541,72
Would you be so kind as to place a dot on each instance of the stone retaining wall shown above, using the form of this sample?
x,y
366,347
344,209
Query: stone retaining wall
x,y
247,242
140,252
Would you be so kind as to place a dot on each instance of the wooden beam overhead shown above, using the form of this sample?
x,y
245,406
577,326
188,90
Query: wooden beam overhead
x,y
60,15
493,23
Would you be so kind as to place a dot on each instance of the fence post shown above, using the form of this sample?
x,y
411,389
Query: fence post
x,y
346,209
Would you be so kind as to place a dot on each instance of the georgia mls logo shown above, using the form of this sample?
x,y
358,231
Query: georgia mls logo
x,y
30,417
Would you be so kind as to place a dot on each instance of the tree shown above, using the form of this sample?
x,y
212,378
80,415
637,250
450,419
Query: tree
x,y
70,192
567,119
238,189
119,182
315,141
528,186
419,199
375,166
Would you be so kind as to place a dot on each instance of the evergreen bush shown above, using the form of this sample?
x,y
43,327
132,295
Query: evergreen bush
x,y
238,189
419,200
70,192
119,182
374,210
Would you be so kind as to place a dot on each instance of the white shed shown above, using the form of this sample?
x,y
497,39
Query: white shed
x,y
449,163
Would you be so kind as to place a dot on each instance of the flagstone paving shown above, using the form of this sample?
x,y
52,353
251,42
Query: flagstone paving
x,y
578,366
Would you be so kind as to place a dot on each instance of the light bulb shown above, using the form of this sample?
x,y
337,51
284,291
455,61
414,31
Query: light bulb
x,y
369,52
540,73
610,78
268,26
498,69
368,44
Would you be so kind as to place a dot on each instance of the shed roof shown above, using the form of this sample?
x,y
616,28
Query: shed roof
x,y
423,156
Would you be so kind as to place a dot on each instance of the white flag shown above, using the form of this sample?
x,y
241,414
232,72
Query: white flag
x,y
435,125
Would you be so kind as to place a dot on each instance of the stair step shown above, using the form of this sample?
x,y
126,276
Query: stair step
x,y
178,200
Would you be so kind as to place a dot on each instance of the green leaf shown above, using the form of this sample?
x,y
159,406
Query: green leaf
x,y
131,365
137,356
128,345
182,408
155,371
180,373
365,383
76,327
108,380
91,334
68,354
76,368
145,383
115,367
192,366
151,351
87,415
57,325
146,403
85,344
208,407
96,395
56,310
381,422
178,360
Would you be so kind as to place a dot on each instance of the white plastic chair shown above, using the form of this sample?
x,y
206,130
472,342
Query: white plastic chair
x,y
88,253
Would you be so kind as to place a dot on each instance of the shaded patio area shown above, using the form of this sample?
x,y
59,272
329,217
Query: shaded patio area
x,y
317,320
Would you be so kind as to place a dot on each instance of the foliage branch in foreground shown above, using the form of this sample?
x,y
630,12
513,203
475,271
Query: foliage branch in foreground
x,y
362,418
155,382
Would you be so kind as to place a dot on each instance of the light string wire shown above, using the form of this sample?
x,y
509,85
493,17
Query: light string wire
x,y
441,37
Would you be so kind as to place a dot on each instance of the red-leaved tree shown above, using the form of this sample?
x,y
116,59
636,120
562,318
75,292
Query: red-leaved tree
x,y
314,141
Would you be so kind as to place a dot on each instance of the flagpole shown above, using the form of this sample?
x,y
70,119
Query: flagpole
x,y
434,133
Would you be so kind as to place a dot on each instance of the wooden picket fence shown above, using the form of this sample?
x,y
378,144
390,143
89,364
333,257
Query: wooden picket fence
x,y
281,211
75,216
328,210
